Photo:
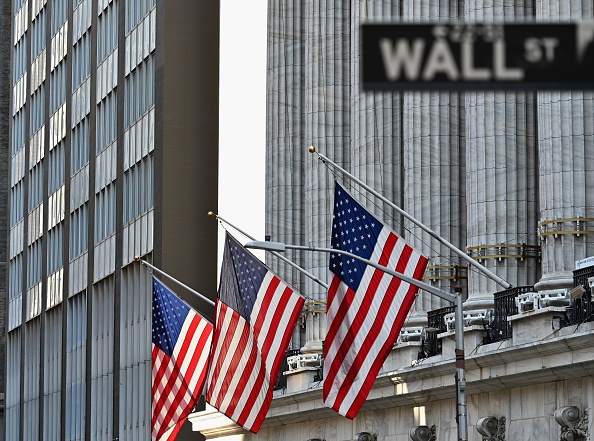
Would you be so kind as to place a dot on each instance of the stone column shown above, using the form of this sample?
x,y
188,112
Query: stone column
x,y
327,106
565,141
285,151
501,163
434,178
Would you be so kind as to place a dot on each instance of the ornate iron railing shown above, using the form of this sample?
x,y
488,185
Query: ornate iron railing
x,y
582,309
504,307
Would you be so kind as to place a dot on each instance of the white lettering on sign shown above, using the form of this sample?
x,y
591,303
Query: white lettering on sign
x,y
535,48
403,58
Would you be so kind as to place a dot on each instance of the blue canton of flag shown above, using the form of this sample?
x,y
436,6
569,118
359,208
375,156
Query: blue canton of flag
x,y
354,230
181,344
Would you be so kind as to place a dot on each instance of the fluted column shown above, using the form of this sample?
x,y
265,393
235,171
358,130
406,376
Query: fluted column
x,y
376,132
434,178
502,205
285,155
327,106
565,141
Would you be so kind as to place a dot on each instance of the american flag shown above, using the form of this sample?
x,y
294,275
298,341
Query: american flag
x,y
255,315
181,342
366,307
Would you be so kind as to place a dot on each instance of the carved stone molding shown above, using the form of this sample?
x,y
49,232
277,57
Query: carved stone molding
x,y
574,426
492,429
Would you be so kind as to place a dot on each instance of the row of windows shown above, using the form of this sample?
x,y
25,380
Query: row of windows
x,y
59,14
15,277
81,61
107,32
55,249
136,10
56,168
37,110
18,131
138,189
58,87
17,202
36,186
105,213
107,119
38,34
20,59
18,4
140,92
80,146
34,255
79,232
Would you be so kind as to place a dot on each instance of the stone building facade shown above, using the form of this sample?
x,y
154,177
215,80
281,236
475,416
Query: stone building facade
x,y
507,177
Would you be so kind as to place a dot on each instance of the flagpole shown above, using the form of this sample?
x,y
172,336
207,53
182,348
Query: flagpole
x,y
428,230
163,273
280,256
461,397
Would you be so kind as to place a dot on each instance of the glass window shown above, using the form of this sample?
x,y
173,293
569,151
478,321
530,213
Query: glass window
x,y
17,202
107,119
36,186
59,14
20,59
105,213
79,232
57,87
56,168
34,255
55,249
136,10
140,91
18,131
107,32
37,110
80,146
38,34
81,61
15,276
138,189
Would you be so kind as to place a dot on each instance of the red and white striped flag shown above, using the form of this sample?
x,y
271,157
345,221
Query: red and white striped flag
x,y
181,343
366,307
255,315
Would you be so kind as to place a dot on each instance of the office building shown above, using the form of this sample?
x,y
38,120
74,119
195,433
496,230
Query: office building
x,y
112,154
506,177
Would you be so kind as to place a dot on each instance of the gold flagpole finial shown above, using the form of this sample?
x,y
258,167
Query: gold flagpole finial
x,y
211,214
136,258
312,149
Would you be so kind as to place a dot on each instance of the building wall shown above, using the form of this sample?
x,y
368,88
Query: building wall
x,y
106,120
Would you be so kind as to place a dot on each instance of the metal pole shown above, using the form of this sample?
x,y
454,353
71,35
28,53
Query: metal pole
x,y
163,273
460,369
280,256
428,230
455,299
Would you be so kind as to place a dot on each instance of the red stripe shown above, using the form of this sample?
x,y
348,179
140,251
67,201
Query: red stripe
x,y
277,325
176,374
256,390
259,324
356,324
215,368
243,360
407,303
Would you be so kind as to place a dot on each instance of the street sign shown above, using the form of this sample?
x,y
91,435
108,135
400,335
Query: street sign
x,y
466,56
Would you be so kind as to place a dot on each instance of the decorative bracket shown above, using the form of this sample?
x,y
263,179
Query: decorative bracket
x,y
492,429
574,427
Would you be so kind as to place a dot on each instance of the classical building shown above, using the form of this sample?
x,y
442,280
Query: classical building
x,y
506,177
113,117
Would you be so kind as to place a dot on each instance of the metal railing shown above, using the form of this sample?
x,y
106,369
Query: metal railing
x,y
436,325
504,307
582,309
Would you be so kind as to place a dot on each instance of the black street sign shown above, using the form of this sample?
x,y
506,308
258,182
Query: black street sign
x,y
463,56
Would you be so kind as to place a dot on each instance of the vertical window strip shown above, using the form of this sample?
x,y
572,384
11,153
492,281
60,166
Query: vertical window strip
x,y
81,61
140,92
80,146
107,32
34,256
107,118
36,186
38,34
55,249
56,166
136,10
15,278
138,189
59,14
17,202
19,59
105,213
76,339
37,110
79,226
18,131
57,87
